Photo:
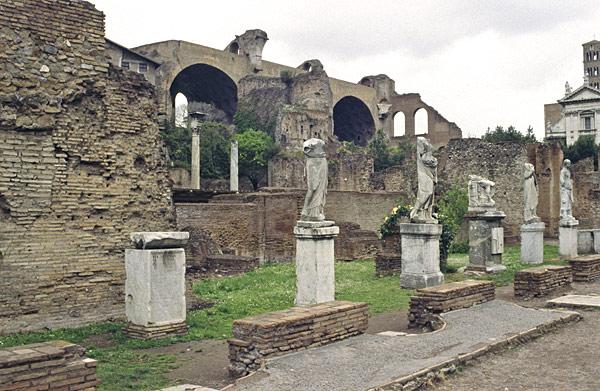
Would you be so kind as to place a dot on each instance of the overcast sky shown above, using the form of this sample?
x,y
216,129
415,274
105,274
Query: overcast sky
x,y
479,63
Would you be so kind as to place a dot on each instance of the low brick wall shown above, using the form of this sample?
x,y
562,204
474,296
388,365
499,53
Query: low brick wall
x,y
355,243
228,264
541,280
388,264
586,268
267,335
52,366
428,302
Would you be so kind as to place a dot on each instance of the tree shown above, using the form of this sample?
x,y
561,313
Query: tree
x,y
383,154
584,147
255,149
509,134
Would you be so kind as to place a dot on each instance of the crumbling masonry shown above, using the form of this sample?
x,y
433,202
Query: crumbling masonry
x,y
81,166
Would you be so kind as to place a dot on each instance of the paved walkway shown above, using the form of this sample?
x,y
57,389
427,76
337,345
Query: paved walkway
x,y
369,361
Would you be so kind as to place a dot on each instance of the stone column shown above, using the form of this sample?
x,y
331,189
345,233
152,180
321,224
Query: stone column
x,y
233,167
532,243
195,119
155,285
567,239
195,160
420,255
486,241
315,265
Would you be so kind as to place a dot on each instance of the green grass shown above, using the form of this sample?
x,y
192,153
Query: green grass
x,y
510,259
125,365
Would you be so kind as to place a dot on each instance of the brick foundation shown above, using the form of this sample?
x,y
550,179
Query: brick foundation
x,y
388,264
586,268
428,302
540,281
52,366
155,332
267,335
230,264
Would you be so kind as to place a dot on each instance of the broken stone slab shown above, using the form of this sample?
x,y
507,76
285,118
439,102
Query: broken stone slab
x,y
575,301
154,240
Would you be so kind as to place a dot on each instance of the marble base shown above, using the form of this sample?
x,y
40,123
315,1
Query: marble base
x,y
532,243
486,242
155,287
315,266
420,255
567,240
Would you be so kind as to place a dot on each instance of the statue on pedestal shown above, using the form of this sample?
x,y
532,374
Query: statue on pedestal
x,y
427,179
315,173
481,191
566,194
530,194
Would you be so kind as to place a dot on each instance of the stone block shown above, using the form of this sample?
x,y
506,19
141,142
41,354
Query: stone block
x,y
541,280
486,242
585,241
267,335
154,240
420,255
532,243
315,265
428,302
155,287
586,268
567,240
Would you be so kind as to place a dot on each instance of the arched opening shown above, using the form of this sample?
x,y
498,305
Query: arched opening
x,y
399,124
421,119
181,110
352,121
234,48
202,83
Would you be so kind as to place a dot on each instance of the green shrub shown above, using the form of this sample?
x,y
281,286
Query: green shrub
x,y
584,147
509,134
384,155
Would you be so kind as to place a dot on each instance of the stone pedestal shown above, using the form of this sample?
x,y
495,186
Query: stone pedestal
x,y
420,255
532,243
315,266
486,241
155,286
567,239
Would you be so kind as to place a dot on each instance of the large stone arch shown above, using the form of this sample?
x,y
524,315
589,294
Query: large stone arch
x,y
353,121
205,83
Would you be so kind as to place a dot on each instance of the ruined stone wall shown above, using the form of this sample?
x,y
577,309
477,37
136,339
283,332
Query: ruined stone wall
x,y
261,224
501,163
80,167
348,171
586,193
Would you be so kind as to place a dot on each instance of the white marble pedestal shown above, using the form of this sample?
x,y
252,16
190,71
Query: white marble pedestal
x,y
486,241
155,285
532,243
567,239
420,255
315,264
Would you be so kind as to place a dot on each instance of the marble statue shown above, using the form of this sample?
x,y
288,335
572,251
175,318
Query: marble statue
x,y
315,173
566,193
427,179
530,194
481,191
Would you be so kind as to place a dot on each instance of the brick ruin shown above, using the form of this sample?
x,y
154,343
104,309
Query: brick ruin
x,y
81,166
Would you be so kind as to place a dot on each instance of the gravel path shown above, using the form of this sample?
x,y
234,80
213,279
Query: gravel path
x,y
371,360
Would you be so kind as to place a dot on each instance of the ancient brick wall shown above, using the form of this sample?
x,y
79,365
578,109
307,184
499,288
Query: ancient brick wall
x,y
262,224
501,163
586,193
81,166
